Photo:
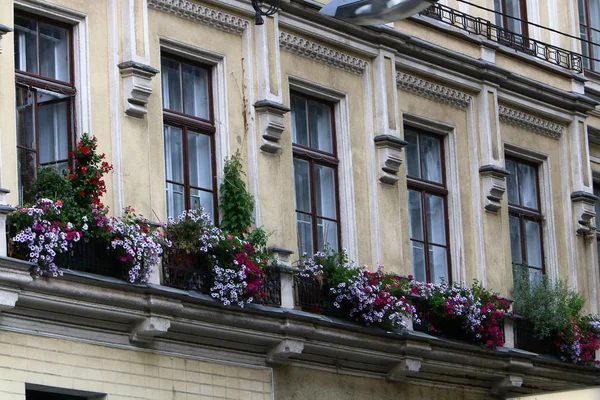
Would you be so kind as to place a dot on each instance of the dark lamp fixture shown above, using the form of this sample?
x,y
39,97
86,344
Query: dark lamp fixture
x,y
374,12
264,8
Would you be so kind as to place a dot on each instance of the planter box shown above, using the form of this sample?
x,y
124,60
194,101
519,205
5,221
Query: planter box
x,y
187,271
525,340
312,295
92,257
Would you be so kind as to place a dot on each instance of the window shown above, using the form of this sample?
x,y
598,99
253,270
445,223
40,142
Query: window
x,y
188,136
315,174
427,206
525,218
589,27
597,193
44,97
512,16
39,395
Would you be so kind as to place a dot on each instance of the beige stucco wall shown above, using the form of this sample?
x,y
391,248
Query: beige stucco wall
x,y
298,384
121,374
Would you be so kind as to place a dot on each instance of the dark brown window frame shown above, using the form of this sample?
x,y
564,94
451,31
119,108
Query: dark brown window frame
x,y
318,157
186,123
587,26
528,214
35,82
425,187
506,18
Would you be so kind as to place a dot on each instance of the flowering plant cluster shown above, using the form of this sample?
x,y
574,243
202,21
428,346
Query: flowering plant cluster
x,y
50,227
578,340
45,236
474,311
236,261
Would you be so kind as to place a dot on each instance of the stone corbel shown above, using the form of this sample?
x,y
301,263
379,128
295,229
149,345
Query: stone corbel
x,y
145,330
584,208
8,298
3,31
494,186
507,383
389,150
285,349
270,124
408,366
137,87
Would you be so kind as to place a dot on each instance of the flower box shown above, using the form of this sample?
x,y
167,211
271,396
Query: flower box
x,y
187,271
92,257
525,340
312,295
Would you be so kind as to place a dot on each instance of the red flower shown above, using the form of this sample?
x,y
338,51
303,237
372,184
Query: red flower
x,y
85,150
82,193
84,170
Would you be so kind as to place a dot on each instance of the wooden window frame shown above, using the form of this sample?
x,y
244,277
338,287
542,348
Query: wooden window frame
x,y
319,157
425,187
587,26
187,123
34,82
528,214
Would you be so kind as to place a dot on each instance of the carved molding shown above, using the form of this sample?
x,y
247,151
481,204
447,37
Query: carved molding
x,y
3,31
530,122
431,90
270,124
584,207
327,55
389,150
207,16
137,87
494,186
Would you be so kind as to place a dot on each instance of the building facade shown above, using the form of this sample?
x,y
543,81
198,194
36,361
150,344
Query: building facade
x,y
450,145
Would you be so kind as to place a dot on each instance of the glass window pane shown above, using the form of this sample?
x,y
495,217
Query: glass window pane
x,y
174,154
535,276
431,158
594,14
438,260
175,200
513,9
299,126
515,240
319,126
413,158
26,165
533,241
325,191
417,255
598,249
195,87
305,236
201,198
302,185
200,162
415,215
53,132
26,45
528,186
328,233
513,182
171,85
25,118
54,52
436,219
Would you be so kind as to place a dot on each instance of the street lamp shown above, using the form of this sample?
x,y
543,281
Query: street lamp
x,y
261,8
374,12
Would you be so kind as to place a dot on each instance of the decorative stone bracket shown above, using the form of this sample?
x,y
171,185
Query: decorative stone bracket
x,y
406,367
389,149
3,31
285,349
145,330
270,124
584,208
137,87
507,383
494,186
8,299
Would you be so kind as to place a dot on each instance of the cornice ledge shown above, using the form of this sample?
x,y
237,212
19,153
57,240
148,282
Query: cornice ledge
x,y
530,122
431,90
196,12
327,55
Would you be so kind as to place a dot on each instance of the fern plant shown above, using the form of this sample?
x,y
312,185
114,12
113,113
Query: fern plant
x,y
236,203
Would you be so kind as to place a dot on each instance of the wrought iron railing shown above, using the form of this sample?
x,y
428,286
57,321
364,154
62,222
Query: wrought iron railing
x,y
194,272
312,295
482,27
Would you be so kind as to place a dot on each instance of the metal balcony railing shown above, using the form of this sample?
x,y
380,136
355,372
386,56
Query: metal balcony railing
x,y
482,27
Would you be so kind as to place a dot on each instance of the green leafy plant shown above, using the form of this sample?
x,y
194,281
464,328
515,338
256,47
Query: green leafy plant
x,y
548,305
236,202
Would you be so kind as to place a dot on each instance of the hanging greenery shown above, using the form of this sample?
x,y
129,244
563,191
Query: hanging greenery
x,y
236,203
